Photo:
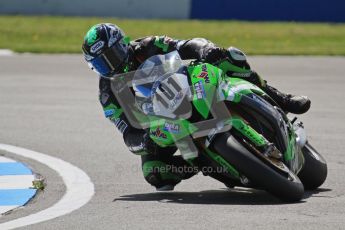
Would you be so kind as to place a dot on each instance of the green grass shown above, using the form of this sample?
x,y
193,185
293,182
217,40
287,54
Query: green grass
x,y
65,34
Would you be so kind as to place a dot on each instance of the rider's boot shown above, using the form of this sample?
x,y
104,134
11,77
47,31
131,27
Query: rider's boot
x,y
156,174
165,172
288,102
165,188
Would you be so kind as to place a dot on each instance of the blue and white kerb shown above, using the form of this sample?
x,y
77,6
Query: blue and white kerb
x,y
15,184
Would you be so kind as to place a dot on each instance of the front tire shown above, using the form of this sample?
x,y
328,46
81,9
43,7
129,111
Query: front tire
x,y
314,171
287,188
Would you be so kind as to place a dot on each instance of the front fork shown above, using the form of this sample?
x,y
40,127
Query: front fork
x,y
256,140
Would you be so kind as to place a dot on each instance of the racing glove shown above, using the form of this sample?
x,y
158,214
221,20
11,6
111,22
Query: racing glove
x,y
214,54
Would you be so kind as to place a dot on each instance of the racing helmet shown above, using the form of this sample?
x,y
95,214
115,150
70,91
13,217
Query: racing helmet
x,y
105,49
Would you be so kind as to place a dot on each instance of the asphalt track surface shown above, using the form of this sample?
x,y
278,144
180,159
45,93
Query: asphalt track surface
x,y
48,103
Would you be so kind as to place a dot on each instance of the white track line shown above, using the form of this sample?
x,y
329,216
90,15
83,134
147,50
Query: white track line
x,y
6,52
79,188
16,181
4,209
6,160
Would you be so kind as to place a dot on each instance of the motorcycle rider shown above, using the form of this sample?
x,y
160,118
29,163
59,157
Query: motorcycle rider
x,y
109,52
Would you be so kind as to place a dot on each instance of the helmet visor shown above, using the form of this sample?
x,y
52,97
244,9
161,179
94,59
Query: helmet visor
x,y
110,60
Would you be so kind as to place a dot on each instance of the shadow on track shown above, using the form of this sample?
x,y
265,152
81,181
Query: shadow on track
x,y
316,193
238,196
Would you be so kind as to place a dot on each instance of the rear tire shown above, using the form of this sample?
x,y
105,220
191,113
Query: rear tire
x,y
287,189
314,171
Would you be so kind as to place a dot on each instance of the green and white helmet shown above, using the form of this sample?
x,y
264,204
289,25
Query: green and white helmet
x,y
105,49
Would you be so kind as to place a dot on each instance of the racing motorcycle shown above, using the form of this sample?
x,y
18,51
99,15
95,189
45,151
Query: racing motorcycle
x,y
221,122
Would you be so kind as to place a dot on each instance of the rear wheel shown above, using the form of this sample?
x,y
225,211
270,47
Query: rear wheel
x,y
314,171
285,186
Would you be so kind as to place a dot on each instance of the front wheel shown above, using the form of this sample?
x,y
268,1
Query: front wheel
x,y
286,187
314,171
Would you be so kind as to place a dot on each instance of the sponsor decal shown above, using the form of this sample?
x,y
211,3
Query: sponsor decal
x,y
176,99
200,90
241,75
171,127
138,148
109,112
97,46
158,133
121,125
204,74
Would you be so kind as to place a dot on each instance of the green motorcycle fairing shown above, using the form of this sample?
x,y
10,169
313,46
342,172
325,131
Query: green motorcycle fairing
x,y
204,78
166,132
209,83
232,89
